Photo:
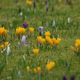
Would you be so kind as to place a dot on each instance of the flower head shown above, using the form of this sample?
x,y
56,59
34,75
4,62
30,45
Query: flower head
x,y
25,25
29,2
49,40
35,51
50,65
3,31
37,70
6,44
41,40
47,33
20,30
77,43
56,41
31,30
2,46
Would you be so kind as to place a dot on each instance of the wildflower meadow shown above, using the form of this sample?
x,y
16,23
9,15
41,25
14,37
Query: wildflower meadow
x,y
39,39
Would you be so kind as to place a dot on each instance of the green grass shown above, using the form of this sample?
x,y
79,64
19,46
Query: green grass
x,y
62,55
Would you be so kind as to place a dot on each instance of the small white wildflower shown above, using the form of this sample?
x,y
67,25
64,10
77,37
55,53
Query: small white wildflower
x,y
69,20
23,40
8,49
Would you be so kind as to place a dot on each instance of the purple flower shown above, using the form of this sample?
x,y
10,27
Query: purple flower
x,y
64,78
72,77
25,25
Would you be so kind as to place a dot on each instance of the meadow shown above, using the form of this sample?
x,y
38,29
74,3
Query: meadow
x,y
54,55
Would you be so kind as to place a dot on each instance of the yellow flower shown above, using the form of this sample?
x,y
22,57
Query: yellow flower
x,y
20,30
50,65
77,43
2,46
39,69
41,40
29,2
56,41
47,33
6,44
36,51
3,31
49,40
35,70
31,30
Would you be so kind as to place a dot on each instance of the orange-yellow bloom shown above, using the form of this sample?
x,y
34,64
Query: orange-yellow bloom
x,y
39,69
56,41
47,33
20,30
77,43
3,31
50,65
49,40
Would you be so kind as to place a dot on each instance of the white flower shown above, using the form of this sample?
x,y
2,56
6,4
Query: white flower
x,y
41,30
21,13
53,23
8,49
24,57
69,20
23,40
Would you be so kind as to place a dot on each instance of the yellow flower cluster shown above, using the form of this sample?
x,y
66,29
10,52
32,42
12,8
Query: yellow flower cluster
x,y
20,30
49,40
29,2
3,31
34,70
5,44
50,65
35,51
